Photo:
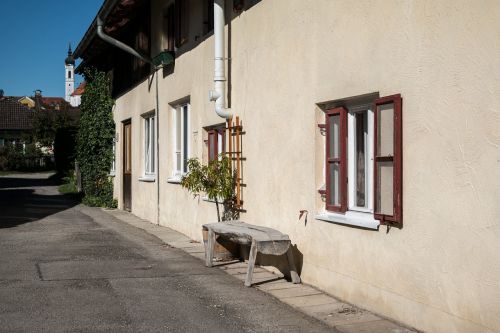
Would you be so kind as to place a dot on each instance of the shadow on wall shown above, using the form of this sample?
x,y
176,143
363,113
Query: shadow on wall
x,y
22,205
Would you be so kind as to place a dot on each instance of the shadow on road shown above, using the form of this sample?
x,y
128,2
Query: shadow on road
x,y
25,200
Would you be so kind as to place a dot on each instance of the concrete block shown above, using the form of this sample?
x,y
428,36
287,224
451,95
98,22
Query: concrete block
x,y
377,326
294,292
302,301
276,285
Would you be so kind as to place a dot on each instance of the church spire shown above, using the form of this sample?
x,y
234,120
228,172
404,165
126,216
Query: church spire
x,y
70,60
70,75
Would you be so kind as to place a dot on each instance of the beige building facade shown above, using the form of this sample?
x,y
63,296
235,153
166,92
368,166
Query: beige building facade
x,y
289,64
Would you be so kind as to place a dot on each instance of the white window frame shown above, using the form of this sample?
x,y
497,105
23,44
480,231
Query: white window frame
x,y
149,140
356,216
180,148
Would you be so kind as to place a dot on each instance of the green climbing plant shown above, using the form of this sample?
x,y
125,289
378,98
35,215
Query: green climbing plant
x,y
95,140
216,180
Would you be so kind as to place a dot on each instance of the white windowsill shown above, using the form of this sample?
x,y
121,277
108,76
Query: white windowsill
x,y
148,178
359,219
174,180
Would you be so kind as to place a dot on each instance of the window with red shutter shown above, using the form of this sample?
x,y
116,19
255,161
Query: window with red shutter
x,y
388,160
363,161
336,160
216,141
212,145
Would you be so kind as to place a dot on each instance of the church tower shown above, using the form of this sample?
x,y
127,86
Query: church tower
x,y
70,75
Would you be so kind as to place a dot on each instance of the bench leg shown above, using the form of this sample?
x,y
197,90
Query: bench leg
x,y
291,265
251,264
209,251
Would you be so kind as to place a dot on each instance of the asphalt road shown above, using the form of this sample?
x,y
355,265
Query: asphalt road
x,y
69,268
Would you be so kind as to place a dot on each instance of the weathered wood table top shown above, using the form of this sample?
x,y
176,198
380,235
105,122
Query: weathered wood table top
x,y
262,239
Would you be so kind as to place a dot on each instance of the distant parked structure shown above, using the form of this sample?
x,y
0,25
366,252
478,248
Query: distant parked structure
x,y
76,96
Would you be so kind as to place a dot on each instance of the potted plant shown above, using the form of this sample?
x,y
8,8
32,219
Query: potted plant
x,y
217,181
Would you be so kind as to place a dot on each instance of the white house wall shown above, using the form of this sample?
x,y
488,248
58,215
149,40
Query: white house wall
x,y
440,272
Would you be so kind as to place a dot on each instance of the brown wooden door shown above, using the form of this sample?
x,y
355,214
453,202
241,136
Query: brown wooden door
x,y
127,165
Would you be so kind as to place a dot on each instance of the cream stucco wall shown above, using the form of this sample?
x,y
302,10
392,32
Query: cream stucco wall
x,y
441,271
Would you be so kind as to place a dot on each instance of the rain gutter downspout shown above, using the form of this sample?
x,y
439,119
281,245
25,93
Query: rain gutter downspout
x,y
219,93
133,52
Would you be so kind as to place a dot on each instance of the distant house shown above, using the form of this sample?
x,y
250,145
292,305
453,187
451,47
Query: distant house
x,y
18,115
76,96
16,121
43,103
26,101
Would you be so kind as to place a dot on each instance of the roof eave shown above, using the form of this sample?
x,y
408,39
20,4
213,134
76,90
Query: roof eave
x,y
103,13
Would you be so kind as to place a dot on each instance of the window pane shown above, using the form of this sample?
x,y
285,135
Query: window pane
x,y
178,129
178,138
385,198
385,126
185,138
360,156
334,184
211,142
334,136
152,144
147,146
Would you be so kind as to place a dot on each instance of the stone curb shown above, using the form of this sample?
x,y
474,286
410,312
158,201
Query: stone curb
x,y
342,316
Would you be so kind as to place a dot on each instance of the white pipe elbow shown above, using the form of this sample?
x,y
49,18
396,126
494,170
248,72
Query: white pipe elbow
x,y
223,112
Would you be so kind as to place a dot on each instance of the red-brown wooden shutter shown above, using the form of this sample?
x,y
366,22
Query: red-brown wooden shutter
x,y
212,145
388,161
336,160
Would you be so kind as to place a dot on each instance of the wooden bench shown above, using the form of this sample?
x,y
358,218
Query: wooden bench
x,y
262,239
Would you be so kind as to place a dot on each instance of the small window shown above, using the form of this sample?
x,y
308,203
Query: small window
x,y
181,22
69,74
208,16
169,29
216,142
363,160
149,145
181,139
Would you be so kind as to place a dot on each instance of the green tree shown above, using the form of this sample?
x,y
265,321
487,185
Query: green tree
x,y
95,140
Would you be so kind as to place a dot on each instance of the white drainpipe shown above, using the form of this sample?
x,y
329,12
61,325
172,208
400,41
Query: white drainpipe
x,y
219,93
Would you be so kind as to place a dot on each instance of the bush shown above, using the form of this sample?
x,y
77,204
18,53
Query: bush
x,y
69,184
16,157
95,140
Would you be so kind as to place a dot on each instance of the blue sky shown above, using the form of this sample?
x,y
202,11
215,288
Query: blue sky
x,y
34,37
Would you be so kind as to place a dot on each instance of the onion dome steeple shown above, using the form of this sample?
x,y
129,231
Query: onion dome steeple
x,y
70,60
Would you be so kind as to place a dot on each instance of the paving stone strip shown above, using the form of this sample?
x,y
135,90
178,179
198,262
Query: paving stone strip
x,y
342,316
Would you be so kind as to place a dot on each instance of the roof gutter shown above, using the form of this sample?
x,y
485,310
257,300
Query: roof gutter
x,y
118,44
103,12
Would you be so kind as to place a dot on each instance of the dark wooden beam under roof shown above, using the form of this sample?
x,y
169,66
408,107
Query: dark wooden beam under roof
x,y
116,14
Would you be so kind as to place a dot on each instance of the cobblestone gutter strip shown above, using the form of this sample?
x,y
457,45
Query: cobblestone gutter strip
x,y
342,316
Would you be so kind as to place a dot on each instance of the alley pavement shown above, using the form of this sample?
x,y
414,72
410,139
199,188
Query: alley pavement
x,y
69,268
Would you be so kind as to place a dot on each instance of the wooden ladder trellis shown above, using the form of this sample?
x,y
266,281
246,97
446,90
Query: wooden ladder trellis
x,y
234,132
